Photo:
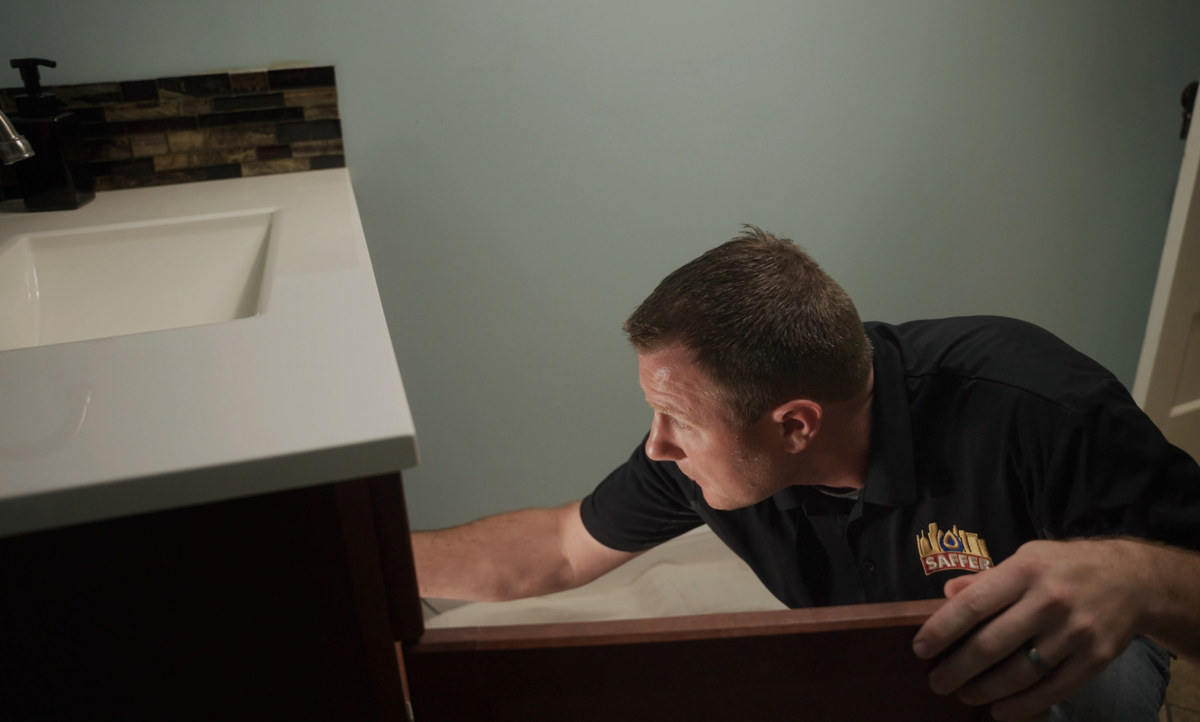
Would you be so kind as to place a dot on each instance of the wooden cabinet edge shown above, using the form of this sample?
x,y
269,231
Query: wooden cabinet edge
x,y
663,629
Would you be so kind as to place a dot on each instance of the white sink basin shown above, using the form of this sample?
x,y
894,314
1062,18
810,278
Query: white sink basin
x,y
95,282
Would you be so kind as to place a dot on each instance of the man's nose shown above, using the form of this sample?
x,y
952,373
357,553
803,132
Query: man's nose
x,y
660,446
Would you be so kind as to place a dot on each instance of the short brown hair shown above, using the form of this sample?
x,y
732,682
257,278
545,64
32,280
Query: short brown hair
x,y
765,322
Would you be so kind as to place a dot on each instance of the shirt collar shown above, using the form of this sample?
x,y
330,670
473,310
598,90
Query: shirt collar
x,y
891,475
891,478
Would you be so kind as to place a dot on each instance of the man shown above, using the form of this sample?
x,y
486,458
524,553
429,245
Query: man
x,y
980,458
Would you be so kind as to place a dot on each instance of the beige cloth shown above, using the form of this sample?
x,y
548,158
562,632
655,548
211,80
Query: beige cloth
x,y
691,574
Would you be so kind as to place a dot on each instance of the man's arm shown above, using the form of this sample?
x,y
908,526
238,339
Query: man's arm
x,y
1079,602
1173,609
510,556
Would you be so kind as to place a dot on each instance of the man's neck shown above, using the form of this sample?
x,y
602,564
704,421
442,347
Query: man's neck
x,y
844,454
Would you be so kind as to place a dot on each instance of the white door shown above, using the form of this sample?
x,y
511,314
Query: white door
x,y
1167,386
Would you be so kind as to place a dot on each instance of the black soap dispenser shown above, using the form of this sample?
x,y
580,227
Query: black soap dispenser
x,y
57,177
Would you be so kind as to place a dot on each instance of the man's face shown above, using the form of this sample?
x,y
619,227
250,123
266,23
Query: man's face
x,y
734,466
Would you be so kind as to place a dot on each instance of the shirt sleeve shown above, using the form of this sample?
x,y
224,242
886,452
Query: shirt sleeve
x,y
639,506
1113,472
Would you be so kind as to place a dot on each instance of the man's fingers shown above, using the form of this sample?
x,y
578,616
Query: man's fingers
x,y
1011,676
986,647
994,590
1068,678
957,584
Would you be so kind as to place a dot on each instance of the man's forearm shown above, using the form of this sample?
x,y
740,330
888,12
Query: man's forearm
x,y
503,557
1172,613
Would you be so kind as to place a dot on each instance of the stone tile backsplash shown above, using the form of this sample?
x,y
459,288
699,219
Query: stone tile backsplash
x,y
200,127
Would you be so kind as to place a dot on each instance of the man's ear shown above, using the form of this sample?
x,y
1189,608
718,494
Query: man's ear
x,y
798,421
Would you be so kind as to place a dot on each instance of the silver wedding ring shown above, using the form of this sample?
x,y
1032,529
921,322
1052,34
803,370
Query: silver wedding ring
x,y
1036,659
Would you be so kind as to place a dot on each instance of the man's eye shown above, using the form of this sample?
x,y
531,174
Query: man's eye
x,y
678,424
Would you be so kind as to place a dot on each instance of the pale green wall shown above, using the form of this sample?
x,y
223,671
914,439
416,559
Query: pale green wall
x,y
527,170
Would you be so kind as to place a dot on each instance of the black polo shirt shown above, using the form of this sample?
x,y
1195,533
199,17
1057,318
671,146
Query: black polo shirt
x,y
986,433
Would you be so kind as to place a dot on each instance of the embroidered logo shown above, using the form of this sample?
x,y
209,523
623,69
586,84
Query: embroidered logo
x,y
945,550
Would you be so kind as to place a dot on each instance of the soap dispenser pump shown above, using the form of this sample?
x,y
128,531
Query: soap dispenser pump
x,y
57,177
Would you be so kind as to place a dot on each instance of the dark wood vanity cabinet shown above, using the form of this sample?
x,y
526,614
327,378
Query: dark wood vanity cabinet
x,y
272,607
302,605
837,663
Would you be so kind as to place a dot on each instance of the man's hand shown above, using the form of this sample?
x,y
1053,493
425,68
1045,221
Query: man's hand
x,y
1080,603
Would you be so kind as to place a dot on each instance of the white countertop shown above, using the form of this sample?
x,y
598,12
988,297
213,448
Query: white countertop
x,y
305,392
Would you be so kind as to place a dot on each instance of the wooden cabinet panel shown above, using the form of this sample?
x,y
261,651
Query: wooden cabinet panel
x,y
267,607
829,663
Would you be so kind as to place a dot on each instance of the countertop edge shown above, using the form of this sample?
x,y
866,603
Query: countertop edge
x,y
41,512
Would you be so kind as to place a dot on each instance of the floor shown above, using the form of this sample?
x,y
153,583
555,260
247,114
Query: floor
x,y
1183,694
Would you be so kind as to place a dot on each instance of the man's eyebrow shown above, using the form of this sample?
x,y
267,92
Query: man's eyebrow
x,y
668,410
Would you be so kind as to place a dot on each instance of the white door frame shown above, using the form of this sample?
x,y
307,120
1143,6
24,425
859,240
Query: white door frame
x,y
1174,324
